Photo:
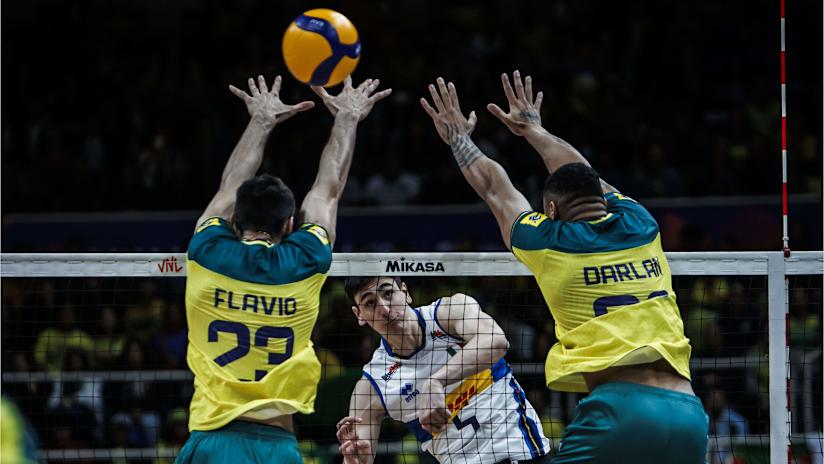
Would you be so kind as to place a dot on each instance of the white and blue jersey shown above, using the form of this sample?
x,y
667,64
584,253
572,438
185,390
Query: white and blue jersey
x,y
491,419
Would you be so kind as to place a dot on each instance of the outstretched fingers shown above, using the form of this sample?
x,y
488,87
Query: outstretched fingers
x,y
380,95
429,110
444,93
519,84
276,86
538,100
239,93
436,99
510,94
528,88
253,90
262,85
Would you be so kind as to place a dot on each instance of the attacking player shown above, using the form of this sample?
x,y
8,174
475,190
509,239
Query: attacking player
x,y
253,286
440,370
597,257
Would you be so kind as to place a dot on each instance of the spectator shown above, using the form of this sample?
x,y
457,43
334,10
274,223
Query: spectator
x,y
725,423
86,391
171,341
108,345
53,342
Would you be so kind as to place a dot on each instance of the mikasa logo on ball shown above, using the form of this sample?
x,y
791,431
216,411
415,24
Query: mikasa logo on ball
x,y
401,265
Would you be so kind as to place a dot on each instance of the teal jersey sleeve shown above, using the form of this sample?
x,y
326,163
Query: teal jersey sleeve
x,y
532,231
626,225
622,204
302,254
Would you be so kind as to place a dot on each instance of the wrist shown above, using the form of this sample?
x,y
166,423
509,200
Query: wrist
x,y
533,131
346,117
263,123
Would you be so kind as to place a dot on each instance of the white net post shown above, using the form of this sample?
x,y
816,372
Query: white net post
x,y
778,360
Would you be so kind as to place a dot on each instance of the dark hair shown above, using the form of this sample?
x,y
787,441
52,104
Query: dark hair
x,y
574,179
263,203
355,284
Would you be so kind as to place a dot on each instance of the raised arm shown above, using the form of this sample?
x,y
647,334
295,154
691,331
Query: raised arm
x,y
486,176
266,110
485,343
359,431
524,119
320,206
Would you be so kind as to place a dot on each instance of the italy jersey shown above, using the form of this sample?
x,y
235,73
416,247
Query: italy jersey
x,y
608,286
491,420
251,307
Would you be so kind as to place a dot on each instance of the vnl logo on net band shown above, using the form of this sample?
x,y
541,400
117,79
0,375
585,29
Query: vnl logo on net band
x,y
402,265
169,264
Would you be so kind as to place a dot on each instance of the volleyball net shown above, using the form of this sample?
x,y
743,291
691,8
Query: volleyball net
x,y
94,349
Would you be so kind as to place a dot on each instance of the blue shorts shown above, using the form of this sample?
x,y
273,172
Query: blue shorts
x,y
241,442
622,422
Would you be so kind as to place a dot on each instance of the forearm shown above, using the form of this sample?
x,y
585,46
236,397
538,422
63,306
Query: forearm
x,y
482,173
479,354
247,155
336,158
554,151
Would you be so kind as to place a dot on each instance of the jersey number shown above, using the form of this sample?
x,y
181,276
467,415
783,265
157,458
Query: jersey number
x,y
473,421
601,304
262,337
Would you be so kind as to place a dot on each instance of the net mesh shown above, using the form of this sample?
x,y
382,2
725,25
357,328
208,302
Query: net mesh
x,y
96,365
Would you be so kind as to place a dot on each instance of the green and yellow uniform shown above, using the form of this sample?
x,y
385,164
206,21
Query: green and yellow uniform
x,y
609,288
251,307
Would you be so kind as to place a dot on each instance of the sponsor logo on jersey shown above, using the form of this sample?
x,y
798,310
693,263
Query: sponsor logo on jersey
x,y
533,219
401,265
391,371
409,391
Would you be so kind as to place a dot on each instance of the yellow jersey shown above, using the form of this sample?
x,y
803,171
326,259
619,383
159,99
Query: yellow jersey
x,y
251,307
608,286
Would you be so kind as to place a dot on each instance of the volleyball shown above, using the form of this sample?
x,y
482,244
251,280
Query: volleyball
x,y
321,47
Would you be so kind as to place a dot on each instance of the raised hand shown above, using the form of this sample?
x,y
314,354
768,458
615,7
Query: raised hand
x,y
264,105
524,112
432,411
353,449
447,116
357,101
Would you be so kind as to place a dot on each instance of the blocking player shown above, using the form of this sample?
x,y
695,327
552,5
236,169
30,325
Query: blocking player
x,y
597,257
440,369
253,285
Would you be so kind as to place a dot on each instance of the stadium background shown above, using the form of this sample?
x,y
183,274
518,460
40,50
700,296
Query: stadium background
x,y
116,123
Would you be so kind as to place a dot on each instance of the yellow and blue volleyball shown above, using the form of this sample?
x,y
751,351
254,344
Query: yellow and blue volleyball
x,y
321,47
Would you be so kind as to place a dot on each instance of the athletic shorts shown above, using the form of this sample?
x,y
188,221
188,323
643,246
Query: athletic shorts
x,y
622,422
241,442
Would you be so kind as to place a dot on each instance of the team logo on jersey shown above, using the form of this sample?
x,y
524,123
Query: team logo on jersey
x,y
208,223
533,219
391,371
436,334
401,265
409,391
318,232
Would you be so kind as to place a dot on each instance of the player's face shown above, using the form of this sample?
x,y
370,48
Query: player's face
x,y
381,303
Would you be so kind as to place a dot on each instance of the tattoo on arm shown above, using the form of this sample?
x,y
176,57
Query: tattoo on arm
x,y
465,151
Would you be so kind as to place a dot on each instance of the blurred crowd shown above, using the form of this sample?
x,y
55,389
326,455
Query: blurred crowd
x,y
137,327
123,108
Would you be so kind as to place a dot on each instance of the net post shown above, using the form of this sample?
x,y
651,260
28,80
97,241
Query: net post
x,y
778,359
